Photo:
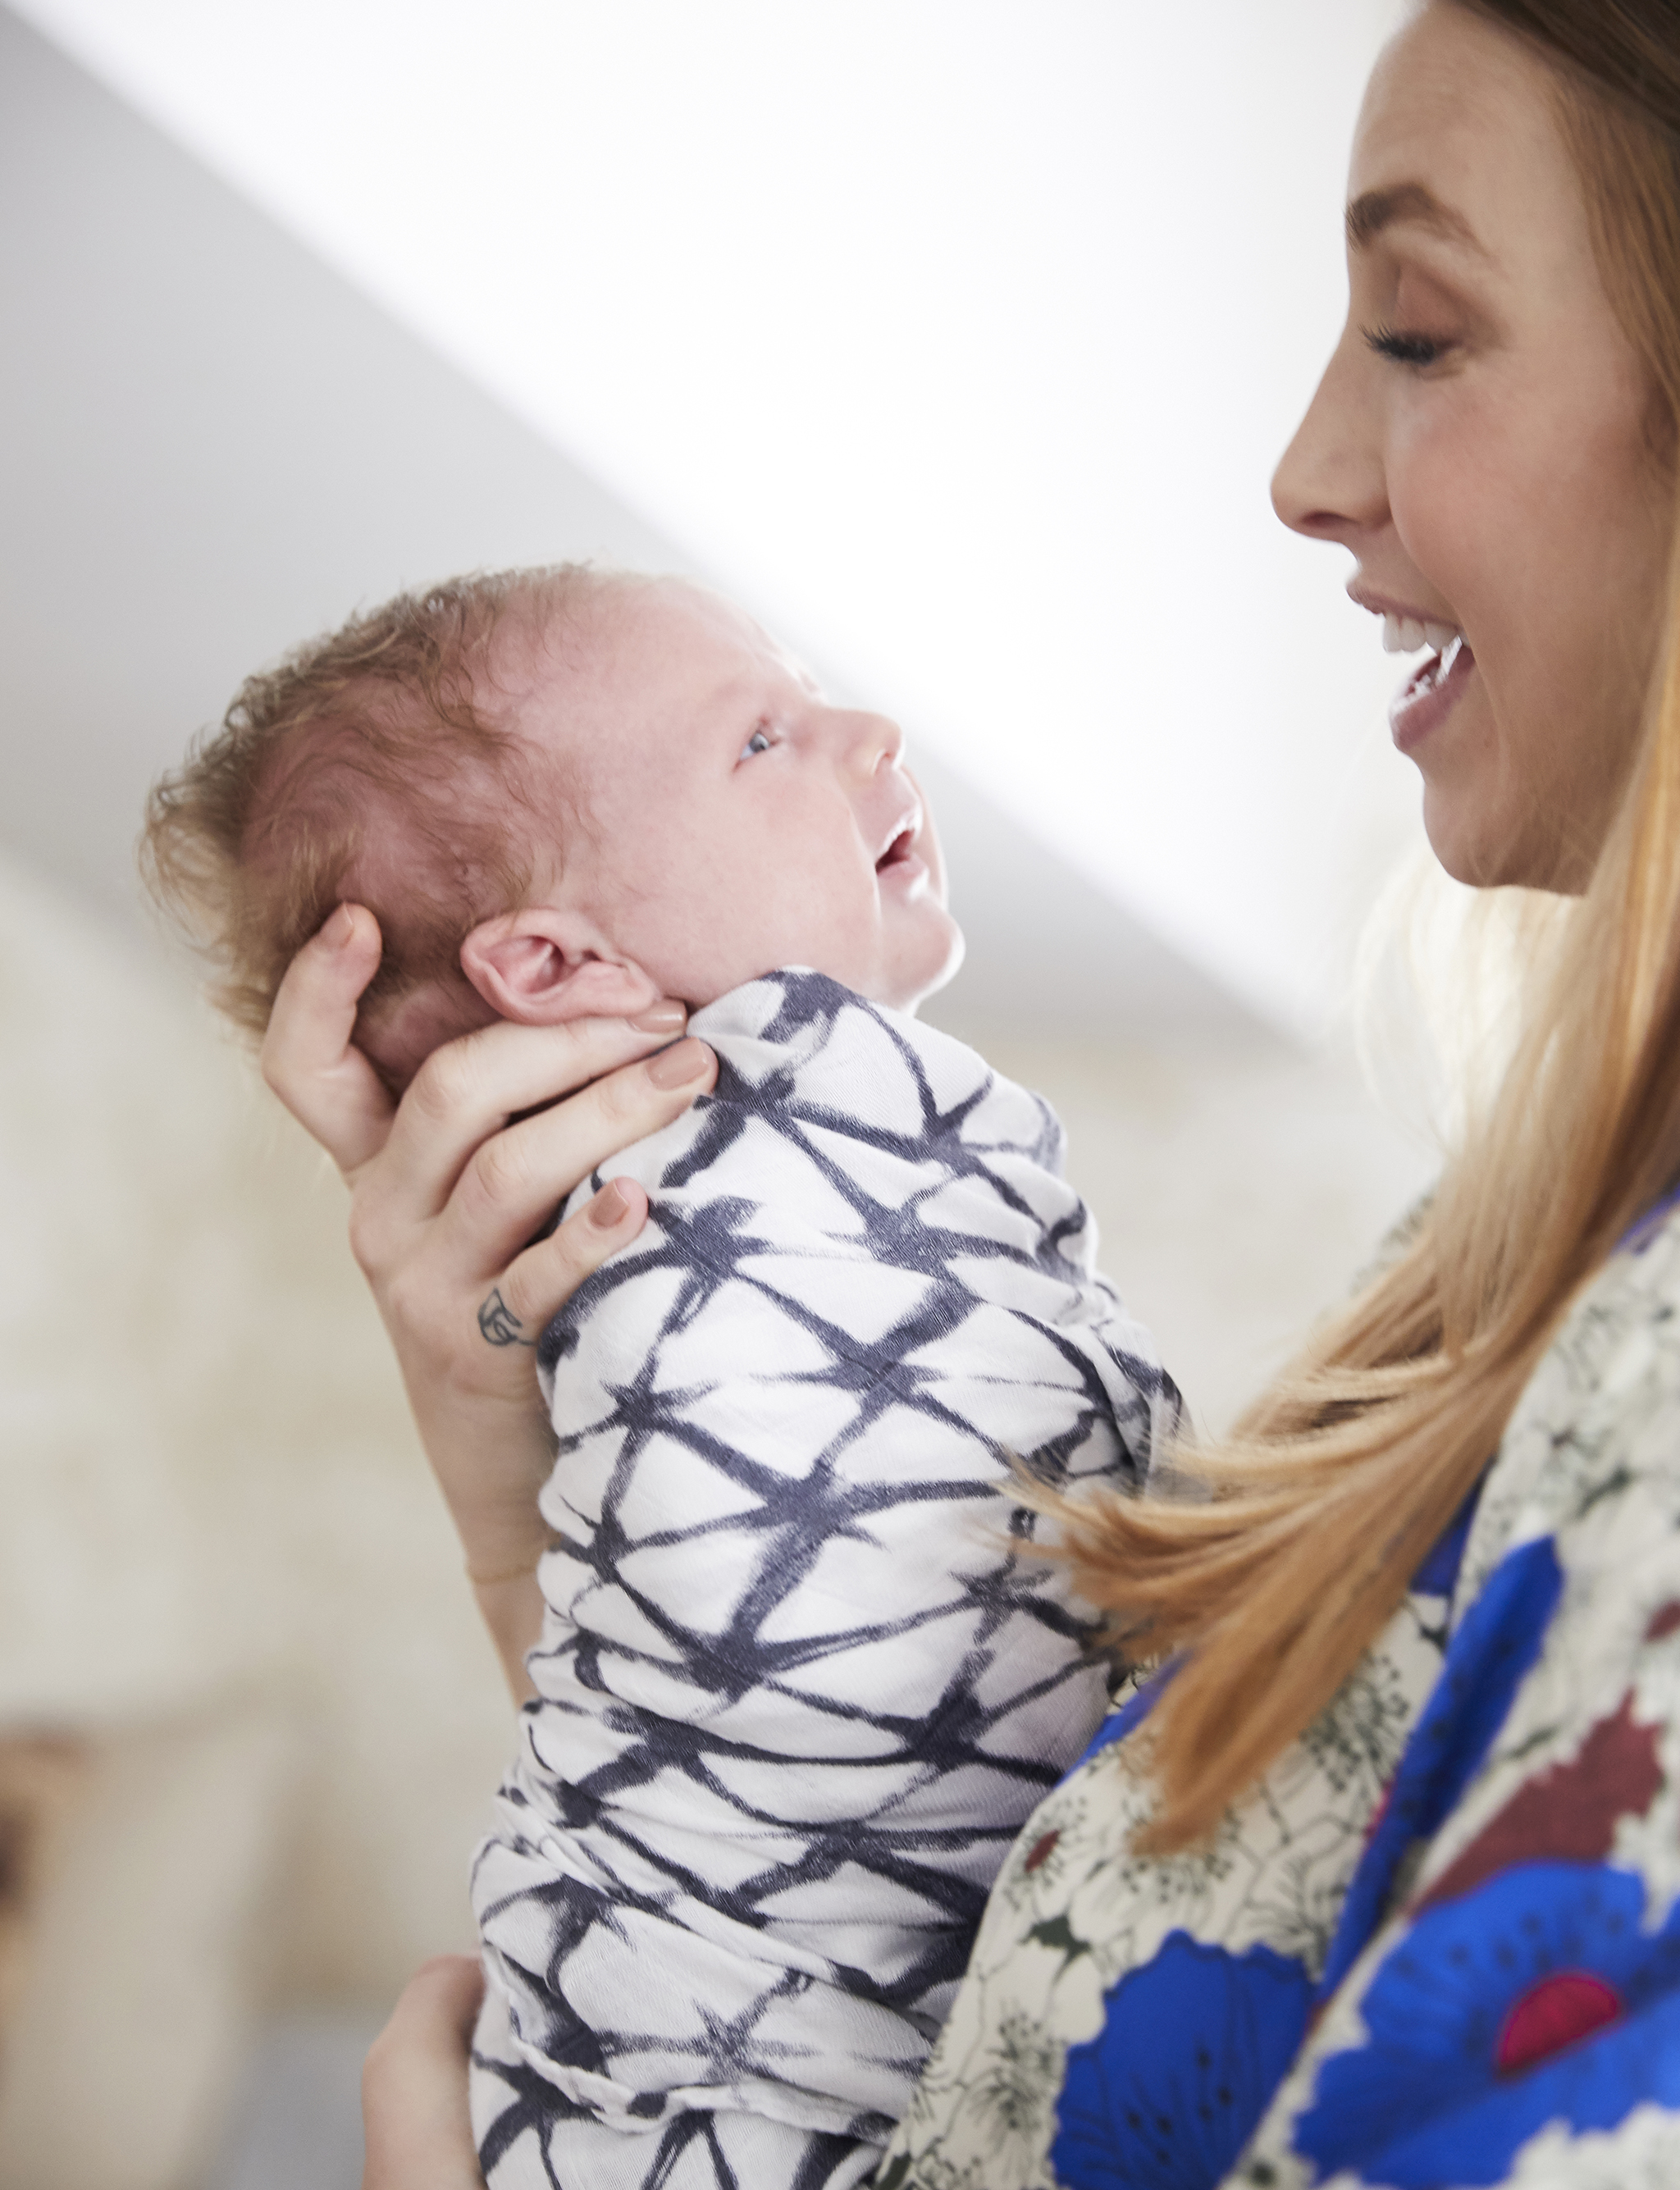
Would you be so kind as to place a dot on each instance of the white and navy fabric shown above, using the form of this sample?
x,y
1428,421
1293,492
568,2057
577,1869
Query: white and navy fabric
x,y
803,1672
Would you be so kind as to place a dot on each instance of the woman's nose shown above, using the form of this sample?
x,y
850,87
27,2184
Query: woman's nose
x,y
1331,482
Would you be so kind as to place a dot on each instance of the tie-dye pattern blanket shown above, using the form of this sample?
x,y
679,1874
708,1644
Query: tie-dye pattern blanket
x,y
804,1670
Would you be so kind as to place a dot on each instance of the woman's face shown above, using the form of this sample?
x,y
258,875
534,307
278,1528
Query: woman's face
x,y
1482,442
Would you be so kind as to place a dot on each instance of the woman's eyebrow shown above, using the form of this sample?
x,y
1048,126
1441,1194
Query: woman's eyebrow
x,y
1373,211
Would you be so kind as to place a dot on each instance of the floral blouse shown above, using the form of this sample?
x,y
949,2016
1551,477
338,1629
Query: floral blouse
x,y
1439,1943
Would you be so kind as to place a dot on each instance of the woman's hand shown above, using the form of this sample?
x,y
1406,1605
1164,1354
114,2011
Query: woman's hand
x,y
417,2131
446,1196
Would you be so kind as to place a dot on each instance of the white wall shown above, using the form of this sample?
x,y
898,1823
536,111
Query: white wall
x,y
220,447
958,336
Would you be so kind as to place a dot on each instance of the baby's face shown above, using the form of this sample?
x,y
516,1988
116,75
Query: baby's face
x,y
727,820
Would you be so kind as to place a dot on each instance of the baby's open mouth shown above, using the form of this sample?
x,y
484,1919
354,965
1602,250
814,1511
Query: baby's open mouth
x,y
901,849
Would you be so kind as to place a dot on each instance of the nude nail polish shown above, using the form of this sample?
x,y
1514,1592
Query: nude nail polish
x,y
661,1018
608,1208
679,1065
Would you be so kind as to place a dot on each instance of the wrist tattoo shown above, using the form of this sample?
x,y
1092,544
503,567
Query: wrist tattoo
x,y
498,1325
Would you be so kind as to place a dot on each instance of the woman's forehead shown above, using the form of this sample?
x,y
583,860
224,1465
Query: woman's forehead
x,y
1458,131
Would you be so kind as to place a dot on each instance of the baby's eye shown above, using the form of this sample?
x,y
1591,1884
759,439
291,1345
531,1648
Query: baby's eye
x,y
758,742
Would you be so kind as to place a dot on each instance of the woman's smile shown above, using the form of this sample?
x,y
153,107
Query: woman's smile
x,y
1481,444
1433,691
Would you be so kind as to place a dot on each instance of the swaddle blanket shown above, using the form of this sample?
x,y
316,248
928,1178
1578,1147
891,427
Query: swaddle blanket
x,y
801,1675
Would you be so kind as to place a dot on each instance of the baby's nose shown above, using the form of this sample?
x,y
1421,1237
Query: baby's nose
x,y
871,740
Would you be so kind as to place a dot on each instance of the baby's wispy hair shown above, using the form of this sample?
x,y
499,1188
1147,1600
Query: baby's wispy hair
x,y
374,763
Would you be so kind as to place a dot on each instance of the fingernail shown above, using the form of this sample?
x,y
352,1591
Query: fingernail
x,y
339,929
610,1207
683,1062
662,1018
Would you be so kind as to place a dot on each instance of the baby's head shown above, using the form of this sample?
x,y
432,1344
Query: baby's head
x,y
562,792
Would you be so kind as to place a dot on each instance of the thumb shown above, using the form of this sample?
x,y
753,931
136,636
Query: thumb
x,y
417,2131
309,1058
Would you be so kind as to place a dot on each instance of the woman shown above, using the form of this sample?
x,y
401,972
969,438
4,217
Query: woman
x,y
1374,1880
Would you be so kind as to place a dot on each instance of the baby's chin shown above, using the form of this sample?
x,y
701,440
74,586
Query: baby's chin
x,y
931,970
908,979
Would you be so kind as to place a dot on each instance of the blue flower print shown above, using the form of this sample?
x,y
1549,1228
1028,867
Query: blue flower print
x,y
1498,1641
1485,1663
1538,1998
1170,2090
1438,1576
1133,1711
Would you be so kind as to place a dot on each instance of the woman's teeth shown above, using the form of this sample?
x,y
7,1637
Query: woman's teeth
x,y
1405,635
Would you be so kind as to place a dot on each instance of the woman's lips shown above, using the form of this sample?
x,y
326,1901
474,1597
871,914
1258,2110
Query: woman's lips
x,y
1430,695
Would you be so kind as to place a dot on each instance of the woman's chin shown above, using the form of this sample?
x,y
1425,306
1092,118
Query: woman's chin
x,y
1484,851
1456,858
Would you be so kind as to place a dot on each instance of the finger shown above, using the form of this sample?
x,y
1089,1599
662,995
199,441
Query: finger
x,y
466,1092
539,1282
436,2009
416,2122
515,1181
307,1056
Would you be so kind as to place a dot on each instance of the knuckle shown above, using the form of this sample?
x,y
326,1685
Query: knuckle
x,y
500,1166
401,1297
447,1082
626,1098
367,1238
270,1065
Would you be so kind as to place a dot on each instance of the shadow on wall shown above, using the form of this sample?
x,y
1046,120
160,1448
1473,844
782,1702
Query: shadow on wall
x,y
228,450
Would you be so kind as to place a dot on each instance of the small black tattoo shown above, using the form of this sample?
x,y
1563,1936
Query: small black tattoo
x,y
499,1325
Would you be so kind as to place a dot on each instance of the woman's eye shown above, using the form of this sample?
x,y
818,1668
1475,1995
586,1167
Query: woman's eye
x,y
758,742
1402,348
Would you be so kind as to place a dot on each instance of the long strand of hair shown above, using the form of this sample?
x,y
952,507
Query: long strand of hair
x,y
1305,1526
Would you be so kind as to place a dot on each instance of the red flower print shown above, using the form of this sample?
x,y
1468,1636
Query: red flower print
x,y
1042,1850
1552,2014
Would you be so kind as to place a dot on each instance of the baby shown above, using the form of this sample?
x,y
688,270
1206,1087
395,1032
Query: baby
x,y
802,1674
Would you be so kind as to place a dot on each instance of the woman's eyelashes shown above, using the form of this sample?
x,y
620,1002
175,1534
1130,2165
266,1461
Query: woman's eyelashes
x,y
1401,347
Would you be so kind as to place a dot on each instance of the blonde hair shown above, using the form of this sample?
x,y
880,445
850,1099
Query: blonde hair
x,y
369,764
1333,1487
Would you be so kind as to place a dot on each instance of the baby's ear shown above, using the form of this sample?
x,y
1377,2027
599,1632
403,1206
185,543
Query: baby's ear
x,y
541,968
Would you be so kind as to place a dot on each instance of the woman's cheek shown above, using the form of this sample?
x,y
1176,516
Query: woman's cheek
x,y
1442,500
